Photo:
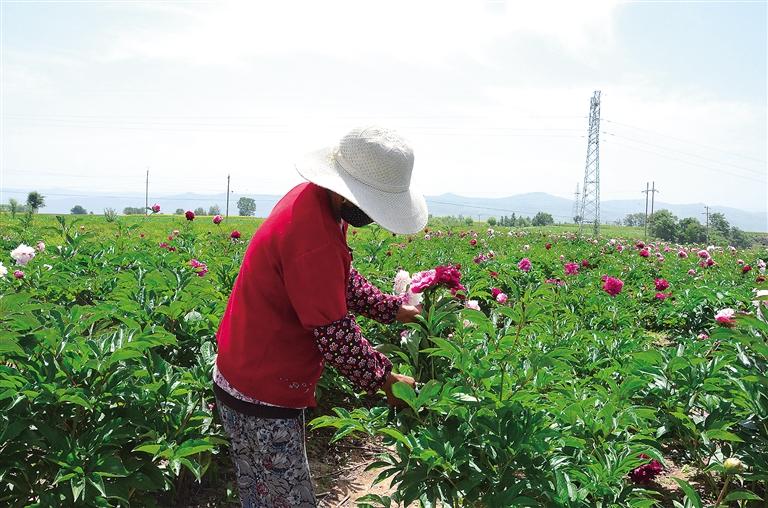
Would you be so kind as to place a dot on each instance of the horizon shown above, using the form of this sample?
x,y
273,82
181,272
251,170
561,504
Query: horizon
x,y
196,91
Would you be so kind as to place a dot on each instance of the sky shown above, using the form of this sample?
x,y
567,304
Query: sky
x,y
493,95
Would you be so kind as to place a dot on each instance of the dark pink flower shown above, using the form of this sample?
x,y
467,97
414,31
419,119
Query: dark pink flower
x,y
726,317
163,245
189,214
571,268
502,298
555,281
18,274
447,276
493,274
524,265
661,284
585,263
745,268
662,296
155,208
473,242
495,292
613,286
548,246
644,253
234,234
640,245
646,472
217,219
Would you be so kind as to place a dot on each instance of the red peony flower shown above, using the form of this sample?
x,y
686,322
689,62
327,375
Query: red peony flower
x,y
548,246
745,268
234,234
613,286
189,214
661,284
646,472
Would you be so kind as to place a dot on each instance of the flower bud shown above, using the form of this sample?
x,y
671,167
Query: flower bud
x,y
733,466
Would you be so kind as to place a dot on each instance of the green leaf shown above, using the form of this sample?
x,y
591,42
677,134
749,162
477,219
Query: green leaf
x,y
723,435
738,495
691,494
192,447
405,393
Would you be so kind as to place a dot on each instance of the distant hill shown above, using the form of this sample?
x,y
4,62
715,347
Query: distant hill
x,y
61,201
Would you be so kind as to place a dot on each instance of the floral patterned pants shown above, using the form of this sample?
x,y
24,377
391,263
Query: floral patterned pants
x,y
270,460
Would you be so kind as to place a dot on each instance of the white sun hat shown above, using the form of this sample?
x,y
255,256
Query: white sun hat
x,y
371,167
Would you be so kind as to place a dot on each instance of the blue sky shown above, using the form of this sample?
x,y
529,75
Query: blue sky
x,y
493,95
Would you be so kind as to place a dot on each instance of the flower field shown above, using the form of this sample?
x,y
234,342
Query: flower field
x,y
552,370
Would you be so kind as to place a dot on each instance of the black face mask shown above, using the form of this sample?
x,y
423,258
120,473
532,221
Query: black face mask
x,y
354,216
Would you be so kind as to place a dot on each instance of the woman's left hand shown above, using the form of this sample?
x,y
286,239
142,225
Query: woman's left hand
x,y
408,313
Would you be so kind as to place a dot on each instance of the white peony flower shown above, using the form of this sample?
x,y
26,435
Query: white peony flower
x,y
3,270
40,246
402,281
23,254
472,304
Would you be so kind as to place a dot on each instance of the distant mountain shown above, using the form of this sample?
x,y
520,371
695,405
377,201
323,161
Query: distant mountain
x,y
61,201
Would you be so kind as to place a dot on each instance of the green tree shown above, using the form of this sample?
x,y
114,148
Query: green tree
x,y
542,219
246,207
199,210
635,219
35,201
512,220
718,222
663,224
179,211
14,207
739,238
492,221
214,210
522,222
78,210
690,230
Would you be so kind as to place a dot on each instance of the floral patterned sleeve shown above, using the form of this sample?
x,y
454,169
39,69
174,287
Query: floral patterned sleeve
x,y
342,345
366,299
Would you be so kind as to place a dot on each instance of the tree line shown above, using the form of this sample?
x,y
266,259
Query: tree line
x,y
665,225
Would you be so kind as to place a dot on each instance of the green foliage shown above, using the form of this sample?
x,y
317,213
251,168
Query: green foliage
x,y
542,219
246,206
35,201
547,400
78,210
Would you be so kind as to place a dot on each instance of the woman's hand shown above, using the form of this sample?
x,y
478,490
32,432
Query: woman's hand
x,y
392,379
408,313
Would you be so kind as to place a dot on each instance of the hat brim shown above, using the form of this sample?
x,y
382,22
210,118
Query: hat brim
x,y
398,212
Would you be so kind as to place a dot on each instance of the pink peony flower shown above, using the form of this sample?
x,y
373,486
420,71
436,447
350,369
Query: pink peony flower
x,y
217,219
745,268
23,254
661,284
703,254
644,253
447,276
163,245
646,472
613,285
562,257
493,274
235,234
710,261
585,263
725,317
571,268
691,272
18,274
740,261
155,208
640,245
40,246
189,214
662,296
502,298
472,304
524,265
473,242
495,292
703,336
619,247
556,282
200,268
682,254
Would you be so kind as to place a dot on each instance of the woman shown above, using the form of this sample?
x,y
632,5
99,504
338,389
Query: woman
x,y
291,310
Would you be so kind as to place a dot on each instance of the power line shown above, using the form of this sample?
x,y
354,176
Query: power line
x,y
717,170
685,153
686,141
478,207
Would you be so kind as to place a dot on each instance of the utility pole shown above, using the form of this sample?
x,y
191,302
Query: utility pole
x,y
653,195
645,223
227,197
146,195
706,212
590,193
575,211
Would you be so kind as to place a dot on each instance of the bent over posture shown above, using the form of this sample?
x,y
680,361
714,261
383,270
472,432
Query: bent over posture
x,y
292,309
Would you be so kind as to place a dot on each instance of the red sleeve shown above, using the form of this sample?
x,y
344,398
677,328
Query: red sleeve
x,y
343,346
316,285
366,299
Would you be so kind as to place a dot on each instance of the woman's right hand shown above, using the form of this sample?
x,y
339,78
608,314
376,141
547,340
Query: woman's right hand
x,y
392,379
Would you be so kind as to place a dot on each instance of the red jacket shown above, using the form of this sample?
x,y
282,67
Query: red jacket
x,y
292,280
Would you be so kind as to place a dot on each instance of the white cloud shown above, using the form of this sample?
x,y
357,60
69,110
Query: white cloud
x,y
424,32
